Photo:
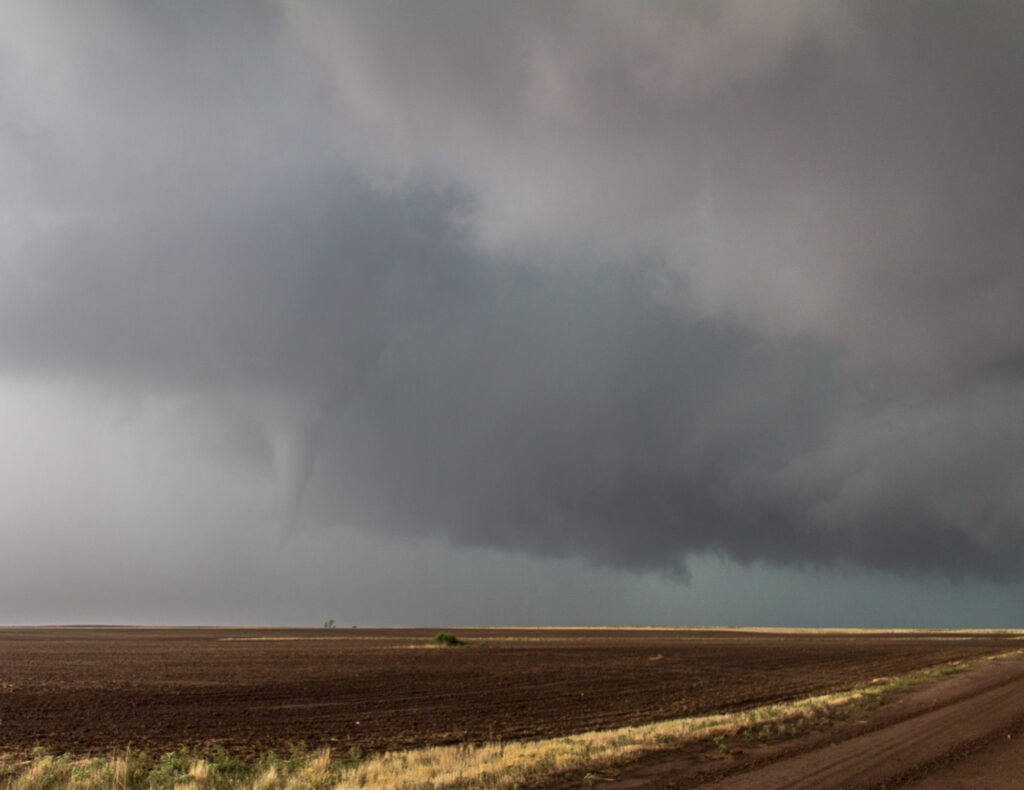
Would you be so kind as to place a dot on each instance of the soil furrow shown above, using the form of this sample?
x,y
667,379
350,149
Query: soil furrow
x,y
91,691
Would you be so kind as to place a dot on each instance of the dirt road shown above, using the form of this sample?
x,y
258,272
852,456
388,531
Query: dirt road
x,y
965,730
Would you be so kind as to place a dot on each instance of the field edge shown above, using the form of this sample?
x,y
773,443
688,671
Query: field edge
x,y
588,756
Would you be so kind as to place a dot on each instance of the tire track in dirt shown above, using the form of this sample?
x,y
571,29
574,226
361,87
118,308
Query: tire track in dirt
x,y
974,771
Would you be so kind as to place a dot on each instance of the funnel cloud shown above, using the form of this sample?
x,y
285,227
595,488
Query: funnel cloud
x,y
615,287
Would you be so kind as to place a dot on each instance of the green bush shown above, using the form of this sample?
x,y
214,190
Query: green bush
x,y
447,640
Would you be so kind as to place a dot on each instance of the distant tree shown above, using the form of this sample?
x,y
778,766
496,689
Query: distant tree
x,y
329,624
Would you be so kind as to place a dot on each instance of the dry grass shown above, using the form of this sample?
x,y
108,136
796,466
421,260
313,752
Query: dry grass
x,y
499,766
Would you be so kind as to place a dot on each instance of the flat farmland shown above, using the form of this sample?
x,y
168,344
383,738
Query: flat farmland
x,y
93,690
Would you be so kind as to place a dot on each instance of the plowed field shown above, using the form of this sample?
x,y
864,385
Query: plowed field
x,y
91,690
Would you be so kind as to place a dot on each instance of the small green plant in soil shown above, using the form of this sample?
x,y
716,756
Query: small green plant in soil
x,y
446,640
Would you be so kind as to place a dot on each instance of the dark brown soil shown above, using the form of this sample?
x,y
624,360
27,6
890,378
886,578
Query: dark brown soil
x,y
93,690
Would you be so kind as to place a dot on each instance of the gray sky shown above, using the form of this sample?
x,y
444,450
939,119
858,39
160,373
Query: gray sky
x,y
512,313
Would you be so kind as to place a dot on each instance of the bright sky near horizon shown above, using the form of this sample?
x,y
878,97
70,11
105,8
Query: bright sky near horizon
x,y
539,313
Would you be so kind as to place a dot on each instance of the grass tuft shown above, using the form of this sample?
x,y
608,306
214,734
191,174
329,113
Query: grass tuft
x,y
443,639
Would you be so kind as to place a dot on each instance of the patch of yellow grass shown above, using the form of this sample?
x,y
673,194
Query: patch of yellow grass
x,y
346,638
505,765
47,771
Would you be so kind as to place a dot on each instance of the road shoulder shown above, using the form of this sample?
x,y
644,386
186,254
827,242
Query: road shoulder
x,y
746,761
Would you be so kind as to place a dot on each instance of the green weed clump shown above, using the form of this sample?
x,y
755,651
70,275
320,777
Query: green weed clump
x,y
446,640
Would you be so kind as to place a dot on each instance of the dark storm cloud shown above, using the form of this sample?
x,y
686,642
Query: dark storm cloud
x,y
538,277
846,169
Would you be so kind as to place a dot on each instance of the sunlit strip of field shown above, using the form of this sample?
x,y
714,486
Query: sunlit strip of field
x,y
347,635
